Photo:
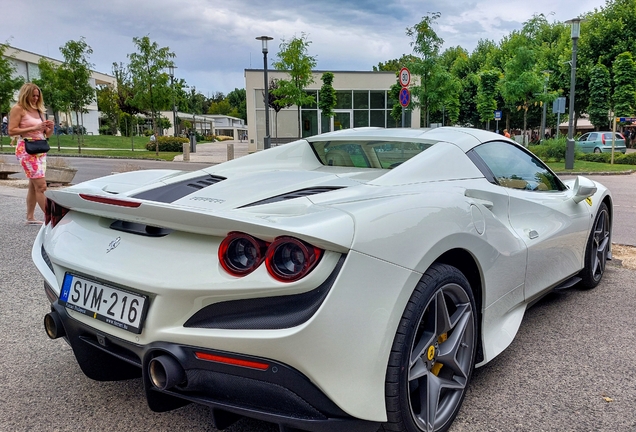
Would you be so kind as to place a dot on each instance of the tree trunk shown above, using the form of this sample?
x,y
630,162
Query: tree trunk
x,y
299,131
79,131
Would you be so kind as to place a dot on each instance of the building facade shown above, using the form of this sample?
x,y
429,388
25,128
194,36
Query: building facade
x,y
362,100
26,66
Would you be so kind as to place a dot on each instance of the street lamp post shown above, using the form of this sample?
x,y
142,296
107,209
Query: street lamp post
x,y
171,69
267,139
575,24
544,115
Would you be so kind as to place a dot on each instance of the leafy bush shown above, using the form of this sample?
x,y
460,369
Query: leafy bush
x,y
596,157
168,144
627,159
68,130
552,151
105,130
210,138
223,138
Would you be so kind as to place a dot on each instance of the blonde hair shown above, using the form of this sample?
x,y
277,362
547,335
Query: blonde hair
x,y
24,97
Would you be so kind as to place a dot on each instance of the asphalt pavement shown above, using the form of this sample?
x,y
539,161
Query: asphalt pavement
x,y
571,367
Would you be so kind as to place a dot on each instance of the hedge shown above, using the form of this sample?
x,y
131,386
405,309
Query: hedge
x,y
168,144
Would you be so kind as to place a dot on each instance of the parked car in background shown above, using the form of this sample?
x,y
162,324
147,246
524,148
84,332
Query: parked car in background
x,y
342,282
600,142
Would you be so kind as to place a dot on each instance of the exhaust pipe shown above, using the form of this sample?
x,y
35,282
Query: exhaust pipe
x,y
165,372
53,325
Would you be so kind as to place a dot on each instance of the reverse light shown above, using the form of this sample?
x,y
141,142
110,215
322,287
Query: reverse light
x,y
53,212
289,259
241,254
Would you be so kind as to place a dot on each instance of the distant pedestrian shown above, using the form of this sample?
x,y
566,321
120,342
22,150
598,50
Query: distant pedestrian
x,y
27,122
5,125
506,133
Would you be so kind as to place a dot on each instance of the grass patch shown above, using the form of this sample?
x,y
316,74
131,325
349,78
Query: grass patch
x,y
592,167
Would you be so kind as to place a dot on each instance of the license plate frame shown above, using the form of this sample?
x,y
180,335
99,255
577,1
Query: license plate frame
x,y
94,299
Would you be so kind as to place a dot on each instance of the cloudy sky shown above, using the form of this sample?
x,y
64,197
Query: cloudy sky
x,y
214,40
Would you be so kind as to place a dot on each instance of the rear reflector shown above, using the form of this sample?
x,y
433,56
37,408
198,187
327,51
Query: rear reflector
x,y
110,201
231,361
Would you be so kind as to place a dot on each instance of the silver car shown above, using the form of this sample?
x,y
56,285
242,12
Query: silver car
x,y
600,142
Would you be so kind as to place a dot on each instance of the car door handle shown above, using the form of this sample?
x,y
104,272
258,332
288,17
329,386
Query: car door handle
x,y
488,204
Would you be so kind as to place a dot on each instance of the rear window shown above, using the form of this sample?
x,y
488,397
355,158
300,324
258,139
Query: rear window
x,y
608,136
367,154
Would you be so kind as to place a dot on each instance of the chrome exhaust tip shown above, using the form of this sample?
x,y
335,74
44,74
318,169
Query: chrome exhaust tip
x,y
165,372
53,325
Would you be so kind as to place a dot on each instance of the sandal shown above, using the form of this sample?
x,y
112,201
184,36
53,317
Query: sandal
x,y
33,222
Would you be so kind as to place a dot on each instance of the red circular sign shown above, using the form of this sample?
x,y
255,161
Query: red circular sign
x,y
405,77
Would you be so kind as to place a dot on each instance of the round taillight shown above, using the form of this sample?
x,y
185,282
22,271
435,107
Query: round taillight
x,y
240,254
289,259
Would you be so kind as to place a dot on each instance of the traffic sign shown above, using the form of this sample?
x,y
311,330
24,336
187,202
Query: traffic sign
x,y
405,97
405,77
497,115
626,119
558,106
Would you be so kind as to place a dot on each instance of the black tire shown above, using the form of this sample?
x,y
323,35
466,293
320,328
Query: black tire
x,y
597,250
597,150
433,353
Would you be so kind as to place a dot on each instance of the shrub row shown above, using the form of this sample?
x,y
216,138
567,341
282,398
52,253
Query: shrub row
x,y
168,144
619,158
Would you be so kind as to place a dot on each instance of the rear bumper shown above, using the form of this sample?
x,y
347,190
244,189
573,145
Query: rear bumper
x,y
277,394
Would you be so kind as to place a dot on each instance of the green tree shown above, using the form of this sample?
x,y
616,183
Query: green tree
x,y
600,96
108,106
487,93
394,65
8,83
149,78
521,84
238,100
293,59
624,97
426,46
52,90
125,94
223,107
275,102
327,100
74,76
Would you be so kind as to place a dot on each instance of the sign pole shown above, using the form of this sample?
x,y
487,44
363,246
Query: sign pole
x,y
616,120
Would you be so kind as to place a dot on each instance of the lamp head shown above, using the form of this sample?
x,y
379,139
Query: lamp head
x,y
171,69
575,24
264,40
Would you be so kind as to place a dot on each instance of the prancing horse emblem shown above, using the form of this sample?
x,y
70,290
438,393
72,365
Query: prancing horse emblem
x,y
113,244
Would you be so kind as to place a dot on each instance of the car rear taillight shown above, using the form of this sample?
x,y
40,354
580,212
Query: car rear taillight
x,y
53,212
241,254
289,259
603,138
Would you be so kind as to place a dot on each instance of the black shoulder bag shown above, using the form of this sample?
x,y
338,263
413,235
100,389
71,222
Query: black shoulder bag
x,y
36,146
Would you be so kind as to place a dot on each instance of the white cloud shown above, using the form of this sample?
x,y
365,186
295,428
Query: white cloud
x,y
214,40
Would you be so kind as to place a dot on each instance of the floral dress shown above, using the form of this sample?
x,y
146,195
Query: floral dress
x,y
34,165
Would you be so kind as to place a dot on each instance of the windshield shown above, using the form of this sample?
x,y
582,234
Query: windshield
x,y
367,154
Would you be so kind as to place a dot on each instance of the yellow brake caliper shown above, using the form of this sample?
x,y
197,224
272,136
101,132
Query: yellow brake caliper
x,y
438,366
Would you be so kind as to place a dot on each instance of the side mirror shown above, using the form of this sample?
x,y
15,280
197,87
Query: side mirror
x,y
583,188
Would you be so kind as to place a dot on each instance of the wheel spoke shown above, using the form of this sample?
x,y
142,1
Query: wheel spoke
x,y
601,244
449,350
443,322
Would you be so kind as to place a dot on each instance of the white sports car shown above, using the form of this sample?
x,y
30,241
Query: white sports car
x,y
349,281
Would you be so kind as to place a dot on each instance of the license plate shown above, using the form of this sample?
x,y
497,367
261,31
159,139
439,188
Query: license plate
x,y
114,306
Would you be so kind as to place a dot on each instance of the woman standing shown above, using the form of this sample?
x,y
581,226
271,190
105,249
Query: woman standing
x,y
26,120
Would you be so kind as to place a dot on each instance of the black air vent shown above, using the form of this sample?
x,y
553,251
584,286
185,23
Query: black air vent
x,y
295,194
172,192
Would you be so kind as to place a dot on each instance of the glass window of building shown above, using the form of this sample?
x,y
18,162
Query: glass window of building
x,y
378,99
343,99
361,99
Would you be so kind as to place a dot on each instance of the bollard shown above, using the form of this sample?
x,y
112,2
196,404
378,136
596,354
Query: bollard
x,y
186,152
230,151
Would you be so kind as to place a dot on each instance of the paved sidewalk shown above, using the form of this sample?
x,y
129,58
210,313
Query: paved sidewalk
x,y
216,152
